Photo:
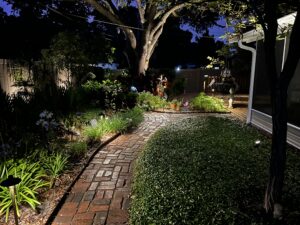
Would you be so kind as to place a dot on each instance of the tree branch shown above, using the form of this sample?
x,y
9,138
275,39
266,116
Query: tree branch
x,y
259,15
154,42
115,19
112,7
141,11
163,20
109,14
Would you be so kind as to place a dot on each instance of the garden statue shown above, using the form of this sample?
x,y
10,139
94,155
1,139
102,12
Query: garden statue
x,y
133,89
232,91
161,86
211,84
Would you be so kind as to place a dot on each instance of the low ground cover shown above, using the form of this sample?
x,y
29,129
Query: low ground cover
x,y
208,171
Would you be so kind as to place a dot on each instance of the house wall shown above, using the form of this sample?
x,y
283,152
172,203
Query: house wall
x,y
261,108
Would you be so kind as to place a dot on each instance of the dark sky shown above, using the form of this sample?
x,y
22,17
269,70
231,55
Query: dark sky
x,y
216,31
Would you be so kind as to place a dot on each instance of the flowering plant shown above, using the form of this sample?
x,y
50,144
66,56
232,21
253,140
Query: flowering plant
x,y
46,121
48,125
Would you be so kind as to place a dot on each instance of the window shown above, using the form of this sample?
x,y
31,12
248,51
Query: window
x,y
261,92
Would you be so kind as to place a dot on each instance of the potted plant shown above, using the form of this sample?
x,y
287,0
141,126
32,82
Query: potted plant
x,y
178,105
175,104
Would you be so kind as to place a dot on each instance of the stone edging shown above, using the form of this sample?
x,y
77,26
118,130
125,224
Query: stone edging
x,y
188,112
66,194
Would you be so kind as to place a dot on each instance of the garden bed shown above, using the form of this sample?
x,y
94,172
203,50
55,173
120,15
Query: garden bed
x,y
52,198
201,103
56,171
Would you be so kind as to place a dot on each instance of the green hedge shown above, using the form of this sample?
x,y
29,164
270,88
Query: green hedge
x,y
205,171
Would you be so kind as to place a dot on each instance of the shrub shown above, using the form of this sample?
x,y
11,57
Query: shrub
x,y
31,175
208,103
148,101
129,99
206,171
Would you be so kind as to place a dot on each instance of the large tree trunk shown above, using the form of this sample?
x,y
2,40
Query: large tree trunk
x,y
279,87
273,196
145,50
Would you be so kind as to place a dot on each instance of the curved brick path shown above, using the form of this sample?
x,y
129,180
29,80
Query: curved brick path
x,y
101,195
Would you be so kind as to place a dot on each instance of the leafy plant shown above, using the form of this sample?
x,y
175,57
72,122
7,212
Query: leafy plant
x,y
77,149
208,103
116,124
135,116
95,132
92,85
112,90
119,122
32,180
54,165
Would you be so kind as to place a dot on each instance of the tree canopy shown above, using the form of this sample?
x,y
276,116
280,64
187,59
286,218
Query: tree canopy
x,y
143,28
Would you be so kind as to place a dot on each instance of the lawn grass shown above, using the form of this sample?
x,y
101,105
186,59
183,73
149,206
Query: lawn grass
x,y
208,171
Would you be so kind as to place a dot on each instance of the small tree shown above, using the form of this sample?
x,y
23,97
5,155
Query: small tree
x,y
76,52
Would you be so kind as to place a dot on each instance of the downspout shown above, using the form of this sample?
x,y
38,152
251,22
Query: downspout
x,y
250,100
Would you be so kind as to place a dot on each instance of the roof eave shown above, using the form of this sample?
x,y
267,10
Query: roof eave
x,y
257,34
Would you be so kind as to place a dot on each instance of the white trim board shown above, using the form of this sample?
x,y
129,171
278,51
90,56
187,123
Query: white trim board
x,y
264,122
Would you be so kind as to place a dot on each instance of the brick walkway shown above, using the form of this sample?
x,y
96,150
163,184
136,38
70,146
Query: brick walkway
x,y
101,195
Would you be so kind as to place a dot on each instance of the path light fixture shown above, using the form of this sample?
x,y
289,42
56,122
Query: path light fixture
x,y
257,143
11,183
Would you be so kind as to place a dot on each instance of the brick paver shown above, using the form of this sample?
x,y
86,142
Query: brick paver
x,y
101,195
